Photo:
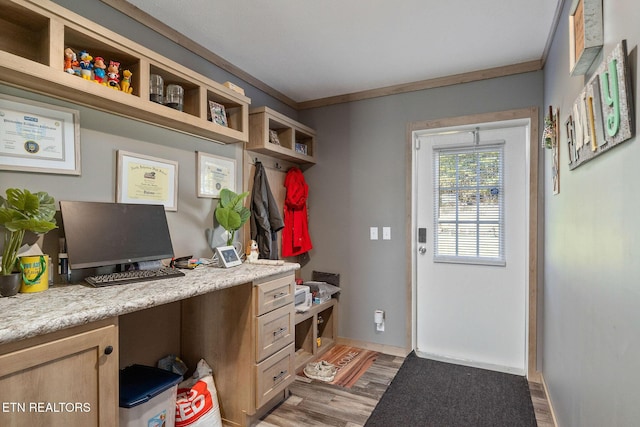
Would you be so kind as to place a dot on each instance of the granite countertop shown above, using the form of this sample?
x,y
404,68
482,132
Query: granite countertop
x,y
63,306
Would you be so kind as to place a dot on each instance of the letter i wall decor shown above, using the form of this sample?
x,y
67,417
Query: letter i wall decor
x,y
602,116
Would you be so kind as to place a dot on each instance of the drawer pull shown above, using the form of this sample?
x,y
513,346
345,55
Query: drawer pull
x,y
280,295
279,331
280,376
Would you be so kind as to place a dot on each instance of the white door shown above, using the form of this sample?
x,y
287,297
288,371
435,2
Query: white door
x,y
471,305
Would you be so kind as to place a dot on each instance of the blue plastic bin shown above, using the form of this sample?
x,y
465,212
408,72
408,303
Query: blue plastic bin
x,y
147,396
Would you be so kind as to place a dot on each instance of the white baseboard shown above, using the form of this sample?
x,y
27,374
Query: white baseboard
x,y
471,363
381,348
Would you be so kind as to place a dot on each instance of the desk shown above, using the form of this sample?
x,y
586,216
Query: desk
x,y
61,346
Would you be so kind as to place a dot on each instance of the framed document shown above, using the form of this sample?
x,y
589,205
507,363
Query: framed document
x,y
213,174
147,180
38,137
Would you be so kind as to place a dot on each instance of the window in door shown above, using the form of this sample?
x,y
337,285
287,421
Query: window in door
x,y
469,205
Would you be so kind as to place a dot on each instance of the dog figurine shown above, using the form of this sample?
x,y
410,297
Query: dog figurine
x,y
252,251
126,82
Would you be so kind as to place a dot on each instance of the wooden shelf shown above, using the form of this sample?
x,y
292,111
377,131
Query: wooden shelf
x,y
308,330
292,136
33,36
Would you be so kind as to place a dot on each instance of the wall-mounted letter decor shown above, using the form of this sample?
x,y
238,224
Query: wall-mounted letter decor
x,y
603,114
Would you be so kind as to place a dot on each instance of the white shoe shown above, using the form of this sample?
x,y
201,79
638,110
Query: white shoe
x,y
321,371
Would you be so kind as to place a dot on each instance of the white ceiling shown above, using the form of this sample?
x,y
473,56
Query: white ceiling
x,y
309,50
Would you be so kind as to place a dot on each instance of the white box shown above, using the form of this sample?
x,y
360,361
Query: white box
x,y
159,411
148,397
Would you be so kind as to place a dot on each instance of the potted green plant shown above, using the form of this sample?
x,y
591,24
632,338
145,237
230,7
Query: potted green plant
x,y
230,213
21,211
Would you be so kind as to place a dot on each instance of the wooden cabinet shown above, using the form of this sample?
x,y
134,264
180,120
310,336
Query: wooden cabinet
x,y
68,378
315,332
245,333
278,136
34,35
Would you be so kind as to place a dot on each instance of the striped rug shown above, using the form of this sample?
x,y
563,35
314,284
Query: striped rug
x,y
351,363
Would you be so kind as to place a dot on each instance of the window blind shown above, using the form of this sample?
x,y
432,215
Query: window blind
x,y
469,204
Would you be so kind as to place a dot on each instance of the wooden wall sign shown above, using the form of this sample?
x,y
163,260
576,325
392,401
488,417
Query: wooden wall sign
x,y
602,116
586,34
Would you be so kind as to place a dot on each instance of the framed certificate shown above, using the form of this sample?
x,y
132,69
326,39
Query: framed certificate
x,y
213,174
38,137
147,180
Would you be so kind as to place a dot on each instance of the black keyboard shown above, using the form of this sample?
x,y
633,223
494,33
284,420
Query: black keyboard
x,y
133,276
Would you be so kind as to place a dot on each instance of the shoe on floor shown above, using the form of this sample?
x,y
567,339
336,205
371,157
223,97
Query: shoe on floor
x,y
321,371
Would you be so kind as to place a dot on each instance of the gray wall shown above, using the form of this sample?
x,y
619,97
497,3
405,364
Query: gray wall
x,y
359,182
102,134
592,294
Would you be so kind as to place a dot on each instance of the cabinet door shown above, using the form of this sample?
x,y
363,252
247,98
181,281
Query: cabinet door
x,y
68,381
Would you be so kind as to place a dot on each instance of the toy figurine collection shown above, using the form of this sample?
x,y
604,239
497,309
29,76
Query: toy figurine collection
x,y
96,69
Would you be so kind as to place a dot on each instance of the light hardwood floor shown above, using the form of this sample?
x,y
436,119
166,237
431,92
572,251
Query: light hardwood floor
x,y
316,404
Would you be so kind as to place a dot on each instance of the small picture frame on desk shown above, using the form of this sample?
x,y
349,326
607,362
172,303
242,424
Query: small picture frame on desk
x,y
227,256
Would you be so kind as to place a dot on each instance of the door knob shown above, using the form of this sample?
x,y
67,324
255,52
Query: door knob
x,y
422,250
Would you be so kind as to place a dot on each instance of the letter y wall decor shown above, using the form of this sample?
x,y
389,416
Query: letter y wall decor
x,y
602,116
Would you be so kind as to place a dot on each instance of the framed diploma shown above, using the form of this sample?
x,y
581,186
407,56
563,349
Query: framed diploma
x,y
38,137
147,180
213,174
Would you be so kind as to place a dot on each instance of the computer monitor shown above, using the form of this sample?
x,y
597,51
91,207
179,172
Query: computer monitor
x,y
101,234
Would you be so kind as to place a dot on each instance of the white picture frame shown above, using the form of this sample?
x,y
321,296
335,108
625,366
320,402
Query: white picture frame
x,y
213,173
146,180
227,256
38,137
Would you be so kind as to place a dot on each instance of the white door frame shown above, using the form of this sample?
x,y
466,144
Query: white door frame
x,y
534,235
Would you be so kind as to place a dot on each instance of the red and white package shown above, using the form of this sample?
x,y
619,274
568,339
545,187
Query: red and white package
x,y
197,401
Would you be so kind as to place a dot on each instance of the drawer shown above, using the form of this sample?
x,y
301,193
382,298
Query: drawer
x,y
275,330
274,294
274,375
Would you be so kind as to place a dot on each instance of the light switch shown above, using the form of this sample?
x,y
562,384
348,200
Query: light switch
x,y
373,233
386,233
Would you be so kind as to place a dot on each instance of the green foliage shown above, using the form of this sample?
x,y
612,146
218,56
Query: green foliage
x,y
230,213
23,211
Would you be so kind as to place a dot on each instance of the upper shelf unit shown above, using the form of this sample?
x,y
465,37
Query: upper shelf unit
x,y
34,35
277,135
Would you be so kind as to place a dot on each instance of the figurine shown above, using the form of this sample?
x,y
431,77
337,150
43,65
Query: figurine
x,y
70,60
85,65
252,251
126,82
98,69
113,75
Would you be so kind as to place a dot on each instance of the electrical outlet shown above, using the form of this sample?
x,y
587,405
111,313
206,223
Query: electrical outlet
x,y
373,233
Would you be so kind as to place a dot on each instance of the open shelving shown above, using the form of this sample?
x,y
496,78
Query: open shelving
x,y
34,35
296,142
308,330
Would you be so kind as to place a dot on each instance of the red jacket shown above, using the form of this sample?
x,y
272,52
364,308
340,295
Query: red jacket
x,y
295,235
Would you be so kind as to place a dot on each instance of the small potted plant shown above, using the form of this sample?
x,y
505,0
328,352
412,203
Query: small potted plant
x,y
230,212
21,211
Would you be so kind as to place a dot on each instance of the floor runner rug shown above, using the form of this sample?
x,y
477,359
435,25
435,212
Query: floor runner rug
x,y
426,392
351,363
